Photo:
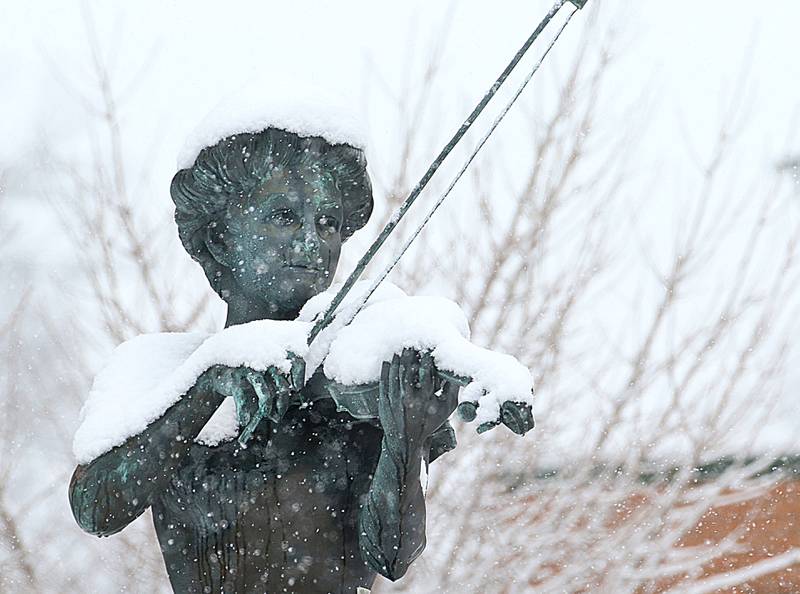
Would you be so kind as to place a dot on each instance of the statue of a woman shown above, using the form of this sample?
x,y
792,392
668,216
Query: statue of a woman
x,y
318,501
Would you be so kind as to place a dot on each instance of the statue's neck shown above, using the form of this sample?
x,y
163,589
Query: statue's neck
x,y
242,311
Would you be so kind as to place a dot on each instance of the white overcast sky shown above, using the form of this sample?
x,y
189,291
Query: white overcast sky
x,y
171,62
687,53
688,60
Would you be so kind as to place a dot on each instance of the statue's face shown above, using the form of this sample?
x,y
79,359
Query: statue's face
x,y
282,242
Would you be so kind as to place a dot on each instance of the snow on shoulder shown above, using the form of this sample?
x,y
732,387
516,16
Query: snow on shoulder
x,y
147,375
150,373
291,105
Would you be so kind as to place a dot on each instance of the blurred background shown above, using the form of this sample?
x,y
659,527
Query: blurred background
x,y
629,232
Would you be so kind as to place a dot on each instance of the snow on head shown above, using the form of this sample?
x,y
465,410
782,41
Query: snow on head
x,y
293,106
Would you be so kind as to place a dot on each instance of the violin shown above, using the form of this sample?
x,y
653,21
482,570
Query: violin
x,y
360,401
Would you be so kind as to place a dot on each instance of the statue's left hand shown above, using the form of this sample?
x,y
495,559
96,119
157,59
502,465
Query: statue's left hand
x,y
412,402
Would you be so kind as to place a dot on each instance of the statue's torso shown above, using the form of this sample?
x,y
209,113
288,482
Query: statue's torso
x,y
279,516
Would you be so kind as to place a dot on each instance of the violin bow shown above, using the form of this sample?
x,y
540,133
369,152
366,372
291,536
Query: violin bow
x,y
343,318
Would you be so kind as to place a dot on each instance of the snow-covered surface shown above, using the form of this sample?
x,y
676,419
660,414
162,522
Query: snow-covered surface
x,y
393,321
148,374
222,426
294,106
321,346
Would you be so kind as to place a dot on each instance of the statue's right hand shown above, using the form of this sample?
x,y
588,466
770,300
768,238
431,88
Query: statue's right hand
x,y
257,394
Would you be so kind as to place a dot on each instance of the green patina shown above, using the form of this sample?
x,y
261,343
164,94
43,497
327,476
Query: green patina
x,y
322,490
326,493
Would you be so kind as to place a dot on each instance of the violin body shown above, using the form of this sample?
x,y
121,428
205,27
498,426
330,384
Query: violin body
x,y
361,401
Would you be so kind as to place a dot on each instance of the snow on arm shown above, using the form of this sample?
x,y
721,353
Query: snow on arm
x,y
147,375
150,373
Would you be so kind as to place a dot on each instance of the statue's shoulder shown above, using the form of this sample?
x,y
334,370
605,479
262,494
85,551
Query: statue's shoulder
x,y
157,352
136,384
141,363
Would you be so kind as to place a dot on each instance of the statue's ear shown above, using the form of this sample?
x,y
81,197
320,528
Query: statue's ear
x,y
217,247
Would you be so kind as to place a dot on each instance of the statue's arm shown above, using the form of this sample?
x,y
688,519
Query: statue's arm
x,y
114,489
392,517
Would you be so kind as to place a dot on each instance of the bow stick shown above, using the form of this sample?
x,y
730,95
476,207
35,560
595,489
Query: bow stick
x,y
359,400
330,312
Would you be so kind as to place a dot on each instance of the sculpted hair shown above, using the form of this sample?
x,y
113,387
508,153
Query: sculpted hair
x,y
238,164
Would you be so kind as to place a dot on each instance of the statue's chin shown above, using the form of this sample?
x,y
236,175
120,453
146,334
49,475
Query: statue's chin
x,y
293,296
283,296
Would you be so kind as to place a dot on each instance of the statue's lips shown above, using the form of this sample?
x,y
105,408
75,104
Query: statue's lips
x,y
304,269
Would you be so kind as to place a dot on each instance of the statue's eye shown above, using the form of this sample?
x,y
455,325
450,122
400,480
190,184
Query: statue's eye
x,y
282,218
327,224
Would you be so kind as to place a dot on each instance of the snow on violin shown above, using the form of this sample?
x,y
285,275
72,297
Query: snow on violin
x,y
149,373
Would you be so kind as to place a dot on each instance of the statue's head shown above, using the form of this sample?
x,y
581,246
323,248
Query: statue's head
x,y
266,214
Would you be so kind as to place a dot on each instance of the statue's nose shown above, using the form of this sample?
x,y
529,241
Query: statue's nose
x,y
306,244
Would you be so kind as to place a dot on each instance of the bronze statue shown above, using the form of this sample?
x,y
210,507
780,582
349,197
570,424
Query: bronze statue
x,y
319,501
327,493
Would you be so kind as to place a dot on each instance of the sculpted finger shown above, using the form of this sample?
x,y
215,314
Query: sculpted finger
x,y
282,390
272,405
484,427
234,384
517,416
267,401
409,359
407,355
248,431
413,375
212,377
244,410
226,380
297,374
254,418
406,361
265,394
280,382
427,371
391,402
385,372
402,381
395,376
450,395
260,386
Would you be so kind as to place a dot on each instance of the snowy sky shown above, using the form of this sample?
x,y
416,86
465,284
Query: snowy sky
x,y
182,56
685,61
